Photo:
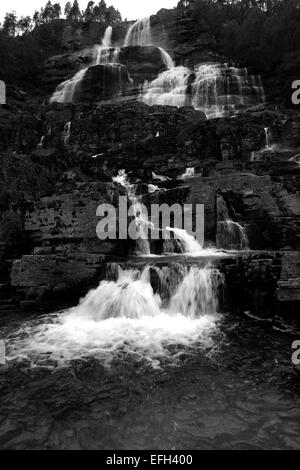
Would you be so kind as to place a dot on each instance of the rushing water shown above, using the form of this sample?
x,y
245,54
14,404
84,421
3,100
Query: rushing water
x,y
126,317
216,89
102,54
240,392
186,242
139,34
65,91
230,235
141,219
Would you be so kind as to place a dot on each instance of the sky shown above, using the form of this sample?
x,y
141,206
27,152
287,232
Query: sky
x,y
130,9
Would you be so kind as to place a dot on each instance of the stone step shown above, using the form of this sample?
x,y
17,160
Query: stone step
x,y
288,290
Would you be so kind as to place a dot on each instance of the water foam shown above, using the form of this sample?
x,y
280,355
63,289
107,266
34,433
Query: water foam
x,y
124,319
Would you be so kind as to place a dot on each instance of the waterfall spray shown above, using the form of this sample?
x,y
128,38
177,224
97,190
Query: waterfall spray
x,y
125,319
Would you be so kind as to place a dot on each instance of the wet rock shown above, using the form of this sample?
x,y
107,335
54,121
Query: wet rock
x,y
103,82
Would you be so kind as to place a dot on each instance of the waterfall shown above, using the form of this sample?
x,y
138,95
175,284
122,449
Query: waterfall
x,y
41,143
152,188
168,89
187,242
167,59
65,92
221,90
216,89
131,296
230,235
189,173
267,137
67,133
139,34
198,293
124,319
142,223
103,54
159,177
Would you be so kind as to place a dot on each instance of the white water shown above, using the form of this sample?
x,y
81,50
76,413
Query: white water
x,y
102,54
141,219
216,89
159,177
65,91
189,173
67,133
196,293
125,318
152,188
41,143
139,34
167,59
267,137
168,89
186,241
230,235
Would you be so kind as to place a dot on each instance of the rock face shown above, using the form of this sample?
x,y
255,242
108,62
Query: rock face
x,y
103,82
143,62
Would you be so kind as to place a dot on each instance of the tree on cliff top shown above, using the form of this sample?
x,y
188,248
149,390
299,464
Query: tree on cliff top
x,y
9,27
73,14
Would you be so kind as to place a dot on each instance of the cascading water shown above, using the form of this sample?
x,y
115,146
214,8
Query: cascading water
x,y
159,177
197,293
267,137
221,90
216,89
186,242
167,59
189,173
142,223
65,91
125,318
102,54
168,89
139,34
41,143
67,133
230,235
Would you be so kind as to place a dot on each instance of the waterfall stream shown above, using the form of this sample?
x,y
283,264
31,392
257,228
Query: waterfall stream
x,y
125,317
139,34
102,54
141,220
230,235
216,89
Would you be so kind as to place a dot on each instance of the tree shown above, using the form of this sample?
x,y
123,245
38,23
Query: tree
x,y
74,14
10,24
113,16
100,11
37,19
88,14
56,11
68,7
47,12
24,25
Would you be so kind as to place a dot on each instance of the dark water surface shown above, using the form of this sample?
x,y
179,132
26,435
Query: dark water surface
x,y
243,395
